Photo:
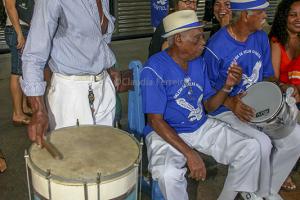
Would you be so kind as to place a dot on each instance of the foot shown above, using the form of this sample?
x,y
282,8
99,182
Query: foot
x,y
250,196
2,162
274,197
21,120
288,184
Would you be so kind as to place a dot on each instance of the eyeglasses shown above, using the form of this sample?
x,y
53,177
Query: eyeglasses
x,y
188,2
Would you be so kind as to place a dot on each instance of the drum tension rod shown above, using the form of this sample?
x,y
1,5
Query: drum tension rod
x,y
26,156
86,197
48,177
98,185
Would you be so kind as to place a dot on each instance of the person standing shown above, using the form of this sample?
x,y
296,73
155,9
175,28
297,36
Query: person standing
x,y
16,32
78,53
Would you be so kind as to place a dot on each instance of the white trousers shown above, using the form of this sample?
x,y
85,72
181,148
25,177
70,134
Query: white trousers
x,y
67,101
277,162
214,138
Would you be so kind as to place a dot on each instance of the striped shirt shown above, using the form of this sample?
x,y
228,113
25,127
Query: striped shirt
x,y
66,35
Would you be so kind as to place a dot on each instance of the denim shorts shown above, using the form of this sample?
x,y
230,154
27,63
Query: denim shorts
x,y
11,41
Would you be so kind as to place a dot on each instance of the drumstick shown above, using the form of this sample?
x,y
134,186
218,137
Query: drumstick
x,y
52,150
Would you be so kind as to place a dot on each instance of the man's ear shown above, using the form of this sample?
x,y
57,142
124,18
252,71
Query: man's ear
x,y
244,15
177,39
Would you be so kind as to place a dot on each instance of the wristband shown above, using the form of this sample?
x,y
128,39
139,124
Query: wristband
x,y
227,90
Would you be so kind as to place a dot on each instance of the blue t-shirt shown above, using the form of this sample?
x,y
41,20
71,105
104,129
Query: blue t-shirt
x,y
174,93
159,9
253,56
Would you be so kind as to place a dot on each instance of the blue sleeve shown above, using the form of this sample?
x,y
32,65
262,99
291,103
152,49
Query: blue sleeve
x,y
154,98
38,46
208,91
213,64
268,70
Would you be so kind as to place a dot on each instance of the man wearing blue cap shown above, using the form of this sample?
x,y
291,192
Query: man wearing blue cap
x,y
175,92
244,43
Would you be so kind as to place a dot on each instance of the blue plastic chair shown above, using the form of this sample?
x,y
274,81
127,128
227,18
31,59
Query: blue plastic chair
x,y
136,122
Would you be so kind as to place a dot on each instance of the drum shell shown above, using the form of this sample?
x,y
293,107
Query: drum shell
x,y
273,115
280,126
60,190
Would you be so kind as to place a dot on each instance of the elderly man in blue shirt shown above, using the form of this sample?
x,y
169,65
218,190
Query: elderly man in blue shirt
x,y
73,38
248,46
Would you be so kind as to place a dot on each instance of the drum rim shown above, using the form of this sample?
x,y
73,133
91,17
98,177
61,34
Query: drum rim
x,y
279,108
89,181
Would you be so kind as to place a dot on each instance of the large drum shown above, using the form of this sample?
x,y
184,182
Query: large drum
x,y
99,162
272,113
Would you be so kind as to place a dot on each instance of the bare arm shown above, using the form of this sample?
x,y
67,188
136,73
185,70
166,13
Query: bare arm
x,y
39,121
276,58
233,78
194,161
14,18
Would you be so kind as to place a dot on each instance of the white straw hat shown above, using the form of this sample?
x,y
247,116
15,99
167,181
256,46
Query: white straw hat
x,y
180,21
248,4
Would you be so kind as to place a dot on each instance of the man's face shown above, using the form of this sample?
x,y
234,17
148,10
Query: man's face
x,y
256,19
187,4
293,20
221,8
192,43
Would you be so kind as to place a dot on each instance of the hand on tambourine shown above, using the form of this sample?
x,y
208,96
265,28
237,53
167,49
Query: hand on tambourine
x,y
244,112
290,90
234,76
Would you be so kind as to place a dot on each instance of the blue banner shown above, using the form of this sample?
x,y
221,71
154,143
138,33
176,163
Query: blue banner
x,y
159,9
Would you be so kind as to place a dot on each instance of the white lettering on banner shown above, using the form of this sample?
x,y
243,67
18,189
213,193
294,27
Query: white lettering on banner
x,y
161,2
158,7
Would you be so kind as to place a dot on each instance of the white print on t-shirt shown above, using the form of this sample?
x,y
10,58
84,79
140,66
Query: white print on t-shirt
x,y
248,81
195,113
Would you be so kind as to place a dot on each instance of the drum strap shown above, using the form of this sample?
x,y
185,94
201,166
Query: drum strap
x,y
91,98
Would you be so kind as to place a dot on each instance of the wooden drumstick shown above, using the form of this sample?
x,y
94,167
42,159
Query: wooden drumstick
x,y
52,150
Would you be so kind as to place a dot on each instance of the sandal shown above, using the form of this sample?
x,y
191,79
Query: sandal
x,y
288,185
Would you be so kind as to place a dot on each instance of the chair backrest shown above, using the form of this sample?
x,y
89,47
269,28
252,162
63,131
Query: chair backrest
x,y
136,119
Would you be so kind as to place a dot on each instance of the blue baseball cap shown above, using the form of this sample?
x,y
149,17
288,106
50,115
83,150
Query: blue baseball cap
x,y
248,4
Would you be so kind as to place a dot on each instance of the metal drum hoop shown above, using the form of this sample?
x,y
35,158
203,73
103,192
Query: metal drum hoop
x,y
274,116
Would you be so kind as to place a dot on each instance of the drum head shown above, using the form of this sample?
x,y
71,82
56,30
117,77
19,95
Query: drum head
x,y
88,150
266,98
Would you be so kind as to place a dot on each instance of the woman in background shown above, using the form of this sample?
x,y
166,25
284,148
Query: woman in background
x,y
158,43
222,15
285,46
15,35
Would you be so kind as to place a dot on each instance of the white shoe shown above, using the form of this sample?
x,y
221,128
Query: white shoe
x,y
274,197
251,196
